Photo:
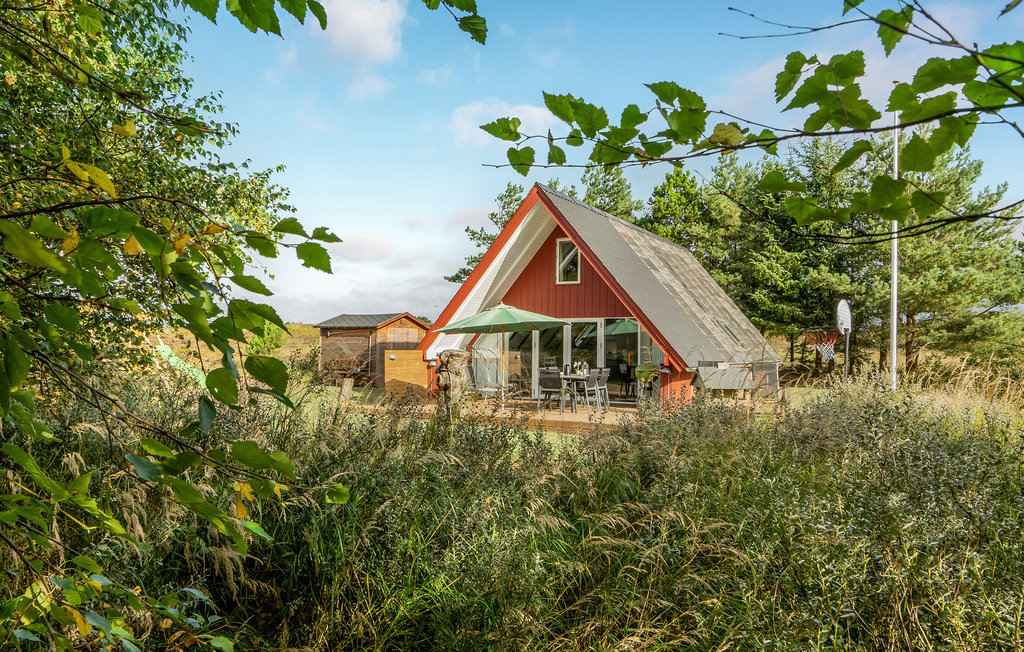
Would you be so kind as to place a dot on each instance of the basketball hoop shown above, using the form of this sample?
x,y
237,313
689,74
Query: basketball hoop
x,y
825,341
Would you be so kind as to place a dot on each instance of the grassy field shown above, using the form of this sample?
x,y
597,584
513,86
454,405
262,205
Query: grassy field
x,y
857,519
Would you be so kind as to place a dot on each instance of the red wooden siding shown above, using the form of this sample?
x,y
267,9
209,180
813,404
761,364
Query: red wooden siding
x,y
676,387
536,290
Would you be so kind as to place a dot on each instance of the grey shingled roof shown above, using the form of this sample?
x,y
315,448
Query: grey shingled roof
x,y
674,291
731,378
357,321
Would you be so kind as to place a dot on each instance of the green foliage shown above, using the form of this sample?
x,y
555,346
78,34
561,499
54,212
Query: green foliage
x,y
609,191
828,95
118,217
866,519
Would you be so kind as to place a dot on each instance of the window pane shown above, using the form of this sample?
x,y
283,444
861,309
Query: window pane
x,y
568,262
520,360
551,348
584,343
621,344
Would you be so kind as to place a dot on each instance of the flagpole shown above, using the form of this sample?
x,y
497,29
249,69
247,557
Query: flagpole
x,y
894,314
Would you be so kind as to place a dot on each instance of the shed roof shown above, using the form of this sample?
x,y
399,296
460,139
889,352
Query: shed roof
x,y
681,299
730,378
367,321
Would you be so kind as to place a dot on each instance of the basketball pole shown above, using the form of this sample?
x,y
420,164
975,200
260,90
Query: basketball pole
x,y
894,314
846,357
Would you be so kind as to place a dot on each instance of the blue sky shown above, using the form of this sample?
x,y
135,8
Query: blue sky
x,y
376,118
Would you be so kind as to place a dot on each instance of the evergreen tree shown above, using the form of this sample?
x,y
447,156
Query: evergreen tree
x,y
610,192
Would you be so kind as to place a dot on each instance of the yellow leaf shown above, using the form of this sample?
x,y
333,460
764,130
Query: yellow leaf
x,y
245,489
77,170
176,635
132,246
165,623
240,510
277,490
213,229
127,129
65,152
84,628
726,135
100,178
181,241
70,243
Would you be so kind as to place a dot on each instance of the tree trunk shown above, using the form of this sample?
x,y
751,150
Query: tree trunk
x,y
792,348
817,362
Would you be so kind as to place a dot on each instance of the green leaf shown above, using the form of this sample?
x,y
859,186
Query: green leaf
x,y
28,463
561,107
250,454
109,222
850,4
196,593
24,634
786,80
775,181
846,67
270,371
222,385
632,117
937,72
892,25
926,204
917,155
65,317
23,245
290,225
504,128
16,364
1010,7
262,244
221,643
885,190
851,155
475,26
296,8
574,139
207,8
337,494
317,10
521,159
46,227
256,529
251,284
155,448
207,413
314,255
556,155
262,14
147,470
323,235
591,119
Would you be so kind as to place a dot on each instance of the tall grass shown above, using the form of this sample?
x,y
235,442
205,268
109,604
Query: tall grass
x,y
861,521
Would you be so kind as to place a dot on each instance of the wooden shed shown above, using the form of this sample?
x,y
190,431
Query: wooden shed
x,y
354,346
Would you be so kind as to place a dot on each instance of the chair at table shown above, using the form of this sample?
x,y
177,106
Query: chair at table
x,y
602,385
591,389
626,386
550,386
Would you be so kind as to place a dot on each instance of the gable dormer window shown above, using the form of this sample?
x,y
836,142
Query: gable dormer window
x,y
567,262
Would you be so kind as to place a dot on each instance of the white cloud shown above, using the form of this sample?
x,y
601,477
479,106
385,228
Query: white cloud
x,y
506,29
443,76
366,31
369,85
548,58
466,121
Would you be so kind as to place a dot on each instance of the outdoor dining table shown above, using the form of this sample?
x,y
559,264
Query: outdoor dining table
x,y
575,384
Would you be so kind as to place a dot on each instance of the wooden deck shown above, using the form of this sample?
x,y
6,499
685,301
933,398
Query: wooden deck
x,y
549,419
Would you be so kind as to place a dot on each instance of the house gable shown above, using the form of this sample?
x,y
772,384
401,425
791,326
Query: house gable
x,y
537,290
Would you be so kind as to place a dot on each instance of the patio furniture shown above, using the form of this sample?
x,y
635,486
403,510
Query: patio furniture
x,y
551,384
602,385
626,384
590,389
502,319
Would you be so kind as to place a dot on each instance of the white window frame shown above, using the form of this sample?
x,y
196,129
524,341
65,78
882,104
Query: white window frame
x,y
559,265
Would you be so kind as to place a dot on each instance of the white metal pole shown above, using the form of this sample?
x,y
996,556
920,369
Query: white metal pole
x,y
894,314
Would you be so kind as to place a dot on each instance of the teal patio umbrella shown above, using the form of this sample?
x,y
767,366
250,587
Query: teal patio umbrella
x,y
502,319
